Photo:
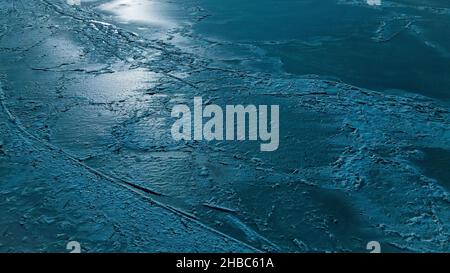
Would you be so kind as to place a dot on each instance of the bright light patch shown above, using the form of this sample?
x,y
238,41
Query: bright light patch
x,y
374,2
149,12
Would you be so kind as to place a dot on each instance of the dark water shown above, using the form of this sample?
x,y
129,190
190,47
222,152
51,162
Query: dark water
x,y
398,45
435,164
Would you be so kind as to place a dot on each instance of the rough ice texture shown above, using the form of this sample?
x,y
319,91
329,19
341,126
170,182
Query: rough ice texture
x,y
86,152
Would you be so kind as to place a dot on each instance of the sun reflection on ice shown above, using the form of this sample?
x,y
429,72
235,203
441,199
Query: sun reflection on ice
x,y
374,2
149,12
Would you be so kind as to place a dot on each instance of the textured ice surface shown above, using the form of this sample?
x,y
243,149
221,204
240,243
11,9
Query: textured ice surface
x,y
86,152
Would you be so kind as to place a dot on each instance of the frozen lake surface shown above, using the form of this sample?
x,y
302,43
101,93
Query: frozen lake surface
x,y
381,45
86,152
